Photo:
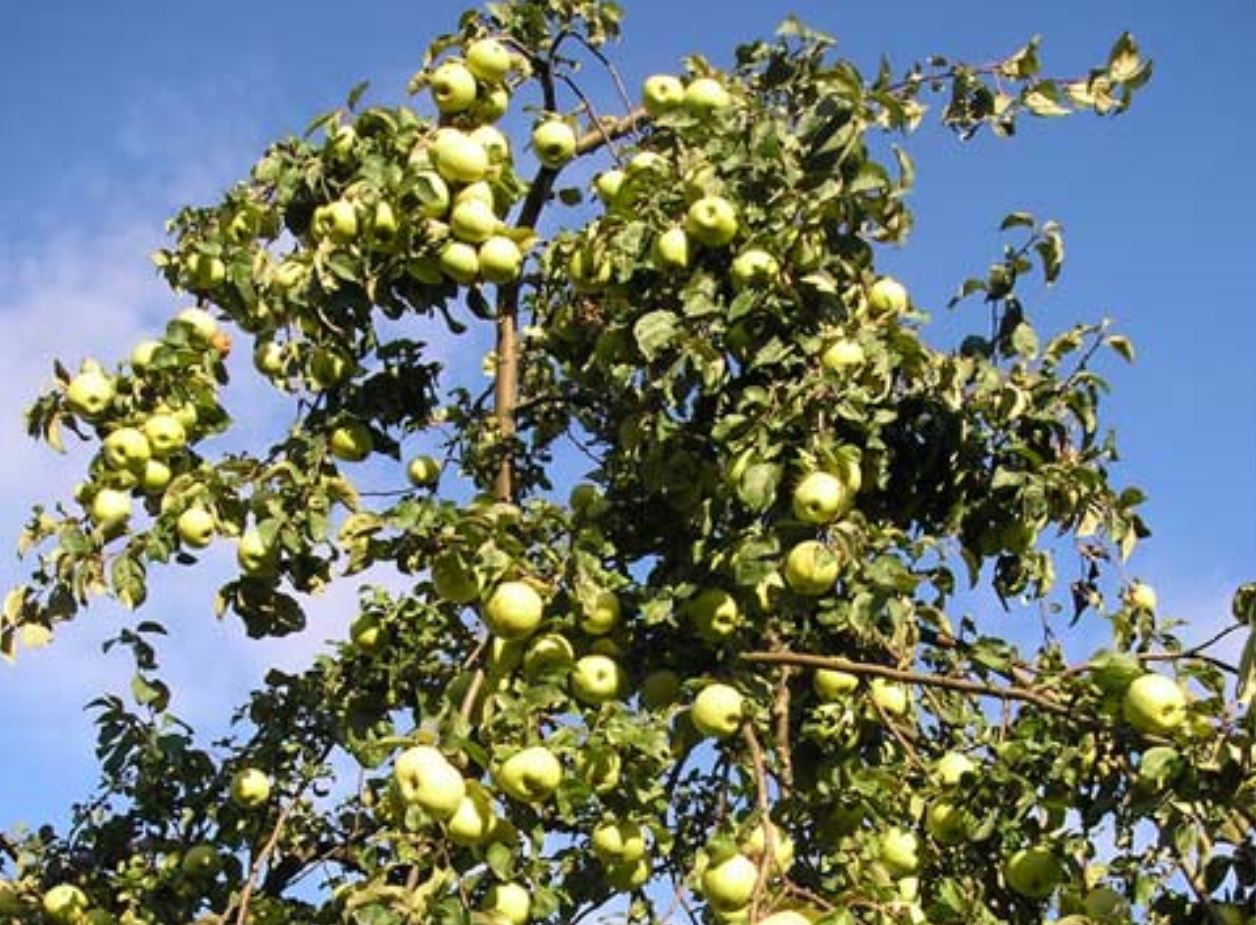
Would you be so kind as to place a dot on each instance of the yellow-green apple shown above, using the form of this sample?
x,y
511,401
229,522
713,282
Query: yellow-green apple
x,y
646,162
268,359
714,613
474,820
127,448
832,685
554,141
711,221
730,884
384,223
433,192
201,862
460,262
1141,596
660,689
618,841
756,842
1104,904
250,788
458,157
819,498
143,353
340,141
195,527
110,508
473,221
491,104
946,822
670,250
662,93
597,679
199,324
495,144
288,275
842,354
453,581
453,87
64,903
951,768
628,875
899,852
425,778
608,184
500,259
488,59
207,271
510,903
351,442
423,471
811,568
336,221
548,653
90,392
366,633
705,95
479,191
718,711
255,556
1154,704
892,698
514,610
753,267
1033,872
531,775
887,297
603,615
156,476
165,434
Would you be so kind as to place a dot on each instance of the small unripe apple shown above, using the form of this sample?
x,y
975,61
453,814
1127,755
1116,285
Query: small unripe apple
x,y
588,272
628,875
473,221
453,87
946,822
340,142
156,476
126,448
892,698
500,259
887,297
268,359
495,144
366,633
1141,596
660,689
288,275
730,884
951,768
705,95
811,568
819,498
841,355
754,267
1033,873
458,157
548,653
608,184
618,842
603,615
384,222
1104,904
475,819
491,104
199,323
433,193
671,249
110,508
715,614
832,685
201,862
718,711
89,393
250,788
255,556
488,59
531,775
554,142
756,842
425,778
423,471
196,527
460,262
514,610
143,353
662,93
900,852
647,162
351,442
711,221
336,221
1154,704
597,679
165,434
509,902
207,271
64,903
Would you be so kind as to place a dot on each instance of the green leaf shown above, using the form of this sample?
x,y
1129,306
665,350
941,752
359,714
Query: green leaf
x,y
654,330
1123,347
1246,685
1043,99
1017,220
758,486
355,95
1025,341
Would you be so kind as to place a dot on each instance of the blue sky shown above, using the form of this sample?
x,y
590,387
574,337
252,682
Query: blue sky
x,y
115,116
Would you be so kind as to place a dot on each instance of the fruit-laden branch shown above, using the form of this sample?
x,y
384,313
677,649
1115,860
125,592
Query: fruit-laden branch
x,y
802,659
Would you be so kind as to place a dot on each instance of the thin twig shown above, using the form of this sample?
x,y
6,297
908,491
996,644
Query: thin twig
x,y
769,833
263,856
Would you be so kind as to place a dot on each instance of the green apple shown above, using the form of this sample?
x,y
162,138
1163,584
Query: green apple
x,y
126,448
156,477
458,157
618,841
423,471
384,223
705,95
899,852
841,355
201,862
832,685
597,679
892,698
647,162
660,689
811,568
425,778
340,141
432,192
288,275
475,819
603,615
453,87
336,222
454,582
143,353
1033,873
756,842
608,184
64,903
662,93
946,822
588,273
351,442
366,634
1154,704
495,144
754,267
460,262
820,498
199,323
479,191
250,788
196,527
714,613
509,902
488,59
718,711
887,297
473,221
500,259
554,142
629,875
90,392
110,508
711,221
730,884
491,104
951,768
549,653
514,610
255,556
165,434
670,250
207,271
268,359
1104,904
1141,596
531,775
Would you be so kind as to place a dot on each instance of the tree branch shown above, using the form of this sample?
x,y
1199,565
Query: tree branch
x,y
768,858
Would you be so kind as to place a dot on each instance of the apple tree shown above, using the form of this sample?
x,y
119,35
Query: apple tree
x,y
791,650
